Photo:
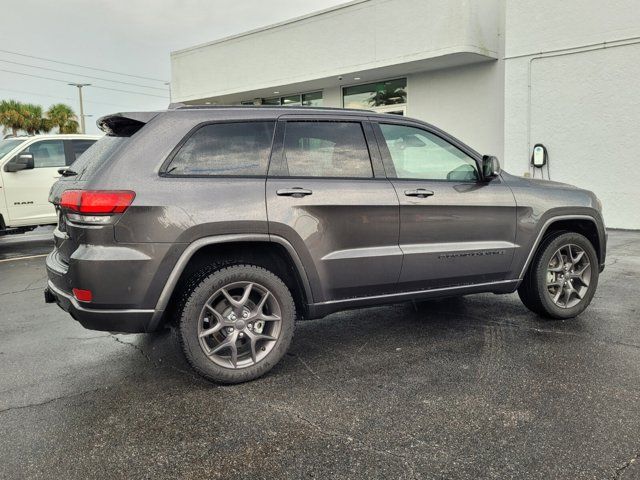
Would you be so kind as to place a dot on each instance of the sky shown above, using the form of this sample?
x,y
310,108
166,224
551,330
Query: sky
x,y
133,37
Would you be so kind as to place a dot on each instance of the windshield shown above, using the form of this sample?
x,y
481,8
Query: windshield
x,y
95,156
9,144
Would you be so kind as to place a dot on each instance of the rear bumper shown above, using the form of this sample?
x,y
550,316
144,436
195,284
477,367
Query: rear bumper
x,y
120,277
125,321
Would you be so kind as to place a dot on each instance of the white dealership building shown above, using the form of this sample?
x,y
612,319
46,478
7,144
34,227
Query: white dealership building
x,y
502,75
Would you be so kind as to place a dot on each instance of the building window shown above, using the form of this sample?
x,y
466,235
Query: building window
x,y
379,94
312,99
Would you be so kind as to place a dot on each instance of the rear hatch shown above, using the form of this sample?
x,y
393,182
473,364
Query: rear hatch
x,y
70,234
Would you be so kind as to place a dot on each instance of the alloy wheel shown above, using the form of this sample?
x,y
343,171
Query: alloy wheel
x,y
568,276
239,325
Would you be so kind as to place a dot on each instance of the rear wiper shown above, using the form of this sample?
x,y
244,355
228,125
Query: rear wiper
x,y
65,172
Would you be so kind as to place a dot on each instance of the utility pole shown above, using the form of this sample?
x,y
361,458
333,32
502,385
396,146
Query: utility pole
x,y
80,85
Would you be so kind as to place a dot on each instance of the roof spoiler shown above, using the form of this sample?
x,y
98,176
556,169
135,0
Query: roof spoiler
x,y
124,124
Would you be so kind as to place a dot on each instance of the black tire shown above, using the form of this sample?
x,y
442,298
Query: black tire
x,y
533,290
189,317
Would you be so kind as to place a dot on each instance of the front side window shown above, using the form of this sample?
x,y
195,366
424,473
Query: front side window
x,y
326,149
47,153
418,154
229,149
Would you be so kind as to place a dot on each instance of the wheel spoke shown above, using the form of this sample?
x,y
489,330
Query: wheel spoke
x,y
268,318
234,354
559,267
263,301
556,297
245,294
212,330
254,338
580,279
567,296
217,314
230,342
238,304
578,257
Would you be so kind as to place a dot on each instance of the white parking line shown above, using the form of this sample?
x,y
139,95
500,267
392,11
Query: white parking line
x,y
26,238
23,258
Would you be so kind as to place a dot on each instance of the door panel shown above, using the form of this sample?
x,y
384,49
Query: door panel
x,y
454,229
346,229
341,220
463,233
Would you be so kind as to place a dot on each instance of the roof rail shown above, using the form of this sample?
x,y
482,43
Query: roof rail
x,y
182,106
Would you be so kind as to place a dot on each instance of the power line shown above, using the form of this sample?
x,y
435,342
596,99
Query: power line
x,y
81,75
61,98
83,66
94,86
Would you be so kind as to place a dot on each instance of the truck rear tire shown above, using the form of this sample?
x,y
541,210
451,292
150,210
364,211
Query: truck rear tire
x,y
562,277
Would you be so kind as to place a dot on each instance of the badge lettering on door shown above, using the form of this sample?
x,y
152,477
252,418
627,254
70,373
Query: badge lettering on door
x,y
23,203
471,254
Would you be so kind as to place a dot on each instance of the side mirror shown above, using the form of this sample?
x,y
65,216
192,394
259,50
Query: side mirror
x,y
23,161
490,167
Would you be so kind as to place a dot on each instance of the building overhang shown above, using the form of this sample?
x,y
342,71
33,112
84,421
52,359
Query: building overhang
x,y
366,40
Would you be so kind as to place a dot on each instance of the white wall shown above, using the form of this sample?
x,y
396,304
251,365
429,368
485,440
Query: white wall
x,y
581,100
464,101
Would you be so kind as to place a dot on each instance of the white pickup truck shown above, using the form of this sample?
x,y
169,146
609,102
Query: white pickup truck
x,y
28,168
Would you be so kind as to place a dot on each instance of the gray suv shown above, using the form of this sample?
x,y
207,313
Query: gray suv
x,y
229,223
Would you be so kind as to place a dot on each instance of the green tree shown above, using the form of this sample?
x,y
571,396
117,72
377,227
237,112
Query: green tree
x,y
63,117
12,116
388,95
34,122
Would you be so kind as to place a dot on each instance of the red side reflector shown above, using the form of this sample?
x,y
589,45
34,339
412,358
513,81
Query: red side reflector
x,y
97,202
82,295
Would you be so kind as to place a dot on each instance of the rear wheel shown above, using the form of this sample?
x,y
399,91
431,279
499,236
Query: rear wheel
x,y
236,324
562,277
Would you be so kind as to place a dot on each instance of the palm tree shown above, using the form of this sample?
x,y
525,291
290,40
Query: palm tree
x,y
12,116
63,117
71,127
34,123
388,95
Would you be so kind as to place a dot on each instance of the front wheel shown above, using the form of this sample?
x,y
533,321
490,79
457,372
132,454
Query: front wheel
x,y
237,323
562,278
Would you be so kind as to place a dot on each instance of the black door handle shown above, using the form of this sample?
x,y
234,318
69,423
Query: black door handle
x,y
419,192
296,192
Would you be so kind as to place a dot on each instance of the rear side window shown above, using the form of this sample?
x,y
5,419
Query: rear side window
x,y
79,147
326,149
225,149
96,155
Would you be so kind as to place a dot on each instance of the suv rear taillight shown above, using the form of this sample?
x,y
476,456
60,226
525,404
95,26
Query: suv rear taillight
x,y
95,206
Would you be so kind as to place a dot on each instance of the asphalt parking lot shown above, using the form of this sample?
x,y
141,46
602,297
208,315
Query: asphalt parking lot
x,y
466,388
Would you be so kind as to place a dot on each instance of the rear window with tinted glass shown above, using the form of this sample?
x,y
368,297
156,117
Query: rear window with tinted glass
x,y
95,156
225,149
